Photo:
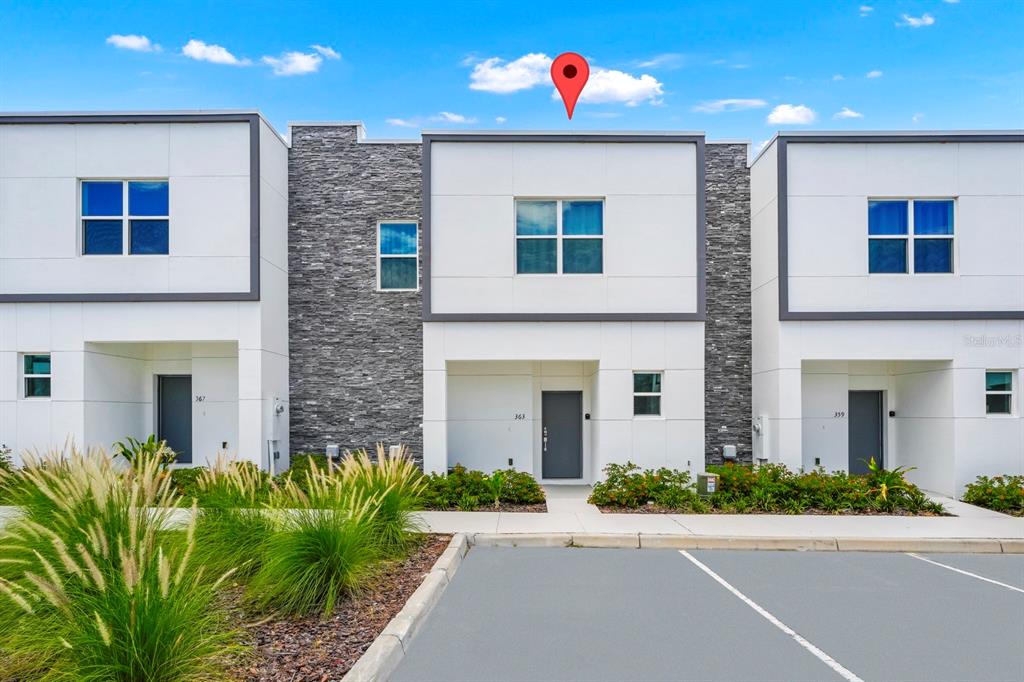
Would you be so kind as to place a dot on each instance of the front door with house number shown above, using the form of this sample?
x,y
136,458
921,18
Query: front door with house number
x,y
562,434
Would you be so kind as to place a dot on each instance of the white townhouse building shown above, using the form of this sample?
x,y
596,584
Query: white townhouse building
x,y
888,303
143,282
563,301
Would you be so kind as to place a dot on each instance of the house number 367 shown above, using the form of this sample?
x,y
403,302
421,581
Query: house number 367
x,y
200,398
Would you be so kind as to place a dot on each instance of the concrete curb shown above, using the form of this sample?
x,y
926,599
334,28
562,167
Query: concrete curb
x,y
382,658
796,544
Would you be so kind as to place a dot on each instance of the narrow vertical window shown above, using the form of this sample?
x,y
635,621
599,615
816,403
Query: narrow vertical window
x,y
999,392
397,256
37,375
887,228
536,237
646,393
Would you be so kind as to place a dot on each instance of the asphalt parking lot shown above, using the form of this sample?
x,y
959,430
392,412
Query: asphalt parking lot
x,y
611,614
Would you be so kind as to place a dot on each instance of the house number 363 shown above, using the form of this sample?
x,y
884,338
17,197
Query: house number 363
x,y
519,416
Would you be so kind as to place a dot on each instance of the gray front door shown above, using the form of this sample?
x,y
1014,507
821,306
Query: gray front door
x,y
865,424
562,434
174,414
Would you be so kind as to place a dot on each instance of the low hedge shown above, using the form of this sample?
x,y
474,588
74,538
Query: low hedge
x,y
467,490
771,488
998,493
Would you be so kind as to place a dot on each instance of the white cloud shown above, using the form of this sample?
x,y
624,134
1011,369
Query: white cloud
x,y
610,85
761,145
719,105
873,74
496,75
604,85
294,63
951,2
401,122
203,52
847,112
449,117
916,118
792,114
500,119
326,51
132,42
668,60
838,77
866,10
916,22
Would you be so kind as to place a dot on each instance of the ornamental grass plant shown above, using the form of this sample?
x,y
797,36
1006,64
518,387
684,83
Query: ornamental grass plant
x,y
93,587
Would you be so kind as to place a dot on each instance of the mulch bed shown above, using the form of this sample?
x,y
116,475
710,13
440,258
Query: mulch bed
x,y
655,509
539,508
313,649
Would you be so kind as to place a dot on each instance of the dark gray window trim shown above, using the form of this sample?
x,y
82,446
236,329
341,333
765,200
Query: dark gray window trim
x,y
253,294
783,218
701,311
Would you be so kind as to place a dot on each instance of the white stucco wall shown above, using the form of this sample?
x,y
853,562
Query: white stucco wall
x,y
207,168
650,204
932,371
479,375
104,355
829,189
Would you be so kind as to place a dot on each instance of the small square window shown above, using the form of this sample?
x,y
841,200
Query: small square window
x,y
37,375
647,393
999,392
933,255
582,256
933,217
887,217
536,218
149,237
102,199
582,218
102,237
148,199
536,256
887,255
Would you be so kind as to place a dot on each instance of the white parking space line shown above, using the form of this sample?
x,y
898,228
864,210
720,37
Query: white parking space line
x,y
960,570
818,653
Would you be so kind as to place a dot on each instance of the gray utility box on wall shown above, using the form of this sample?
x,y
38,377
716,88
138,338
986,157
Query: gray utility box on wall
x,y
707,484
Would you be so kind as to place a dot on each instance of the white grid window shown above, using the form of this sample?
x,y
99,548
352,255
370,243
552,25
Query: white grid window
x,y
398,255
647,393
120,217
559,236
911,236
36,375
999,392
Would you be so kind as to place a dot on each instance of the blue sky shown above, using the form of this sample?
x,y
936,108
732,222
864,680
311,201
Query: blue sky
x,y
733,68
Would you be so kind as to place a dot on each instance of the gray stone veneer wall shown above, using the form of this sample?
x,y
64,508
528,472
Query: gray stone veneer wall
x,y
356,353
727,332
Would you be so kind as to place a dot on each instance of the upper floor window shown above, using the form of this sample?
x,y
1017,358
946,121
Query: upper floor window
x,y
398,256
37,375
908,236
125,216
559,236
998,392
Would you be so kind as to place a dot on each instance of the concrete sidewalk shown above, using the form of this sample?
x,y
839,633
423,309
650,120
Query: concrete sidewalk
x,y
568,512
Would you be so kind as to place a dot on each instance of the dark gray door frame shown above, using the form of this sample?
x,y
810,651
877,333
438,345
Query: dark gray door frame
x,y
187,457
569,470
853,436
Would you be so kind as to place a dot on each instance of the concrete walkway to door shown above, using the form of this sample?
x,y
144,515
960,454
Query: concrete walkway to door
x,y
568,512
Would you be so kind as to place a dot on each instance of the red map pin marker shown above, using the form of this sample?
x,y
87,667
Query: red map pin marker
x,y
570,72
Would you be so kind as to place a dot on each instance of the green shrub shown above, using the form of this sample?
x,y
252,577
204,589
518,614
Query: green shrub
x,y
625,485
325,546
771,488
998,493
131,449
394,483
184,482
99,590
468,490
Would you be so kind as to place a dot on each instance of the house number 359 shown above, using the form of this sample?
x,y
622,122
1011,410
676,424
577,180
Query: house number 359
x,y
839,415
